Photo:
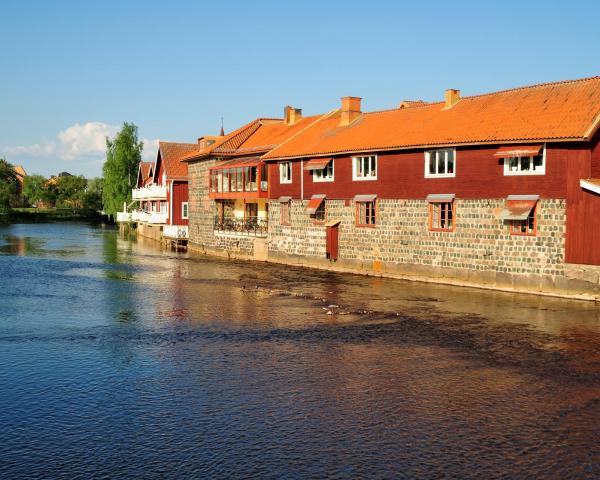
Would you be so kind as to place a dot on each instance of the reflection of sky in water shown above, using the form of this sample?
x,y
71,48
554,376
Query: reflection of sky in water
x,y
123,360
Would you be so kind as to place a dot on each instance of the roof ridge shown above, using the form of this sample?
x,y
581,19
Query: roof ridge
x,y
320,117
535,85
175,143
507,90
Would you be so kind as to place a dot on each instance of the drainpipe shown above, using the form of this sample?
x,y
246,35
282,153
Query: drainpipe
x,y
302,179
171,203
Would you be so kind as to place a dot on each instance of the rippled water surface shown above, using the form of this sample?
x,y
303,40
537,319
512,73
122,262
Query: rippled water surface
x,y
119,360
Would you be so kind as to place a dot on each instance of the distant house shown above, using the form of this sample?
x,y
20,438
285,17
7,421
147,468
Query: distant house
x,y
21,174
162,193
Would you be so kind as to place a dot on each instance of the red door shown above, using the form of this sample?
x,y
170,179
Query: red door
x,y
332,242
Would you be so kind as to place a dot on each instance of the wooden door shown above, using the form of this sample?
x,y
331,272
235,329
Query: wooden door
x,y
332,242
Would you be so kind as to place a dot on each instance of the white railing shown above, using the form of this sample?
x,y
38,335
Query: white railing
x,y
175,231
149,217
139,216
149,192
124,216
157,218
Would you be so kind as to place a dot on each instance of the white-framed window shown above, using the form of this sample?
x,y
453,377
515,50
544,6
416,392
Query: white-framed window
x,y
535,165
325,174
185,214
364,168
285,172
440,163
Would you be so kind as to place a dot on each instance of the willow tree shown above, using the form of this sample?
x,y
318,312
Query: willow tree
x,y
123,155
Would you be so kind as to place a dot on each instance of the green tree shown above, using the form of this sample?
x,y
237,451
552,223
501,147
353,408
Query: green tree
x,y
123,156
34,189
93,194
70,191
8,184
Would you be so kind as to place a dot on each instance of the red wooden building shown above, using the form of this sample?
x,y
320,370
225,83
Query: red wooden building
x,y
505,184
162,193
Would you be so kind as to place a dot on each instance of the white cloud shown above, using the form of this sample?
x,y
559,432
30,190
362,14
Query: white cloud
x,y
77,141
150,150
85,140
84,143
35,150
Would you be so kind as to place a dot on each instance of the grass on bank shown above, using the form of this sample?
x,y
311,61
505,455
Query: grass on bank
x,y
34,215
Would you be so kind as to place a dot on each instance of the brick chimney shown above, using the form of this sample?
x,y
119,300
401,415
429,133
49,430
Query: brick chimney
x,y
451,98
350,110
291,115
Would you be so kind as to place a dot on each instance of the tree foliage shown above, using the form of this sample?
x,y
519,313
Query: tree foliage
x,y
64,192
123,155
35,190
70,191
8,184
93,194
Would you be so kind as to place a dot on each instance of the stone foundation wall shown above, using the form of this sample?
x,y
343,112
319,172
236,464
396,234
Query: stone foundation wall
x,y
150,231
480,251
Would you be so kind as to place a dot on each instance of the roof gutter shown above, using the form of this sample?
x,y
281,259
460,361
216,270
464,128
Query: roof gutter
x,y
419,147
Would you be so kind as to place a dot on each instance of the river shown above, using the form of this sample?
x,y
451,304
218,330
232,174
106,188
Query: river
x,y
122,360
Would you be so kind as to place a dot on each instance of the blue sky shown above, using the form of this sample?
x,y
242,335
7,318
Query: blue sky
x,y
72,72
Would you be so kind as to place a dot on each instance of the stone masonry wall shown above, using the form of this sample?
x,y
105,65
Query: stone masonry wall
x,y
202,213
401,242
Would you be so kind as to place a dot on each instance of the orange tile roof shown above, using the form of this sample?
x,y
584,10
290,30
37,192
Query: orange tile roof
x,y
566,110
171,155
21,173
263,135
239,135
256,137
144,171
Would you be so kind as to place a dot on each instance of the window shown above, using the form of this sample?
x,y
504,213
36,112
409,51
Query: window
x,y
286,216
238,179
184,211
264,177
324,174
364,168
441,216
226,176
365,214
527,227
251,211
213,181
535,165
440,163
285,172
319,215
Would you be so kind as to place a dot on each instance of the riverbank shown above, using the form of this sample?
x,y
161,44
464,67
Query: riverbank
x,y
43,215
580,282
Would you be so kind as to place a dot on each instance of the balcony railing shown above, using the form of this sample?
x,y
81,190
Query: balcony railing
x,y
249,226
139,216
157,218
149,217
149,192
175,231
124,217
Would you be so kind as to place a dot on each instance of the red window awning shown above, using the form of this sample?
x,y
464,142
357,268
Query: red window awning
x,y
314,203
518,151
518,207
317,164
237,163
440,197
